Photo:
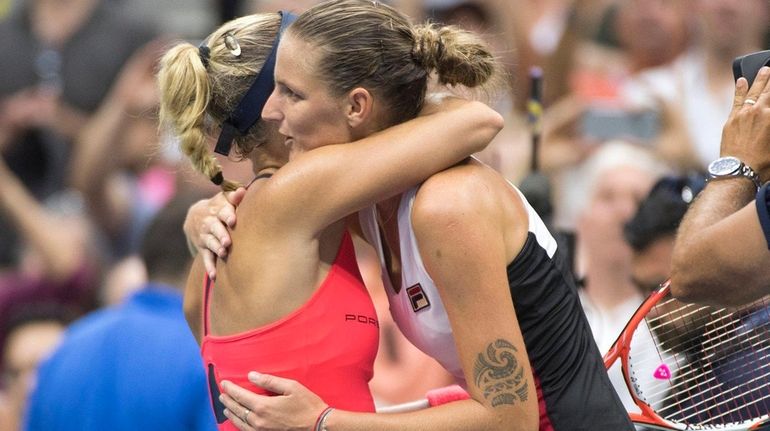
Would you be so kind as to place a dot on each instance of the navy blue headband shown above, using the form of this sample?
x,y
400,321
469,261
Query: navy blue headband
x,y
249,109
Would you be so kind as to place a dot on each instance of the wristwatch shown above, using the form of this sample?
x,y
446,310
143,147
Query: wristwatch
x,y
731,167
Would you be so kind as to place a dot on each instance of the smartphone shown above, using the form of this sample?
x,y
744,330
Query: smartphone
x,y
748,66
603,124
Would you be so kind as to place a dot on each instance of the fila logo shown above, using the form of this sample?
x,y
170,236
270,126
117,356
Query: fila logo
x,y
417,297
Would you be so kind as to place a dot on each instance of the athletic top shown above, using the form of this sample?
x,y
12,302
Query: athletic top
x,y
573,389
328,344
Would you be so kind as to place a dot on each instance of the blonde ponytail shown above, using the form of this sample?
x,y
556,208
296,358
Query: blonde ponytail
x,y
185,91
195,95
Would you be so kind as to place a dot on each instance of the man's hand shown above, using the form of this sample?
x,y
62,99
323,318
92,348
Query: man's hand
x,y
746,134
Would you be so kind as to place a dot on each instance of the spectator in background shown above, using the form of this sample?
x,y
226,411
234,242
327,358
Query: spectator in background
x,y
58,60
652,230
117,165
33,333
645,34
135,366
650,233
614,180
698,86
182,18
57,260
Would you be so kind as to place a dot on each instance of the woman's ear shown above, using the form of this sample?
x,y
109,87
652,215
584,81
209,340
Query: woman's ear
x,y
360,106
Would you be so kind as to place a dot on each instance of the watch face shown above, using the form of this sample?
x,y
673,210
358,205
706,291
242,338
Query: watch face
x,y
724,166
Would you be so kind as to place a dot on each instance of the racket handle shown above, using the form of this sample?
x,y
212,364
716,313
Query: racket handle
x,y
405,407
447,394
433,398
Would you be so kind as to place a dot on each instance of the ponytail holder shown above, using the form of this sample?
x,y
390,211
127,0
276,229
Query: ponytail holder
x,y
204,52
218,179
419,53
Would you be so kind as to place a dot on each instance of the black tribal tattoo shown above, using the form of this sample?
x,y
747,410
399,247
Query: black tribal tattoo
x,y
500,375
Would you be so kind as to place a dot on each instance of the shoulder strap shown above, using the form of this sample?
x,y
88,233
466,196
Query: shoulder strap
x,y
207,284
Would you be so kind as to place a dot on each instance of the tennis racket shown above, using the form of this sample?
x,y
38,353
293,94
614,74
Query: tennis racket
x,y
433,398
696,367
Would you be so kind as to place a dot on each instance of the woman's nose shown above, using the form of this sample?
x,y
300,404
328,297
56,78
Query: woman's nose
x,y
271,111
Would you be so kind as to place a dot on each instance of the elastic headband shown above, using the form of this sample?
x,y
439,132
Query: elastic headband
x,y
249,109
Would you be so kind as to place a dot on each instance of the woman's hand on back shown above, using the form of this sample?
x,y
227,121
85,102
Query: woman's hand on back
x,y
206,227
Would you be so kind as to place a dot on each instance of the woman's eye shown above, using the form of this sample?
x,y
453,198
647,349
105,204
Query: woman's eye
x,y
289,93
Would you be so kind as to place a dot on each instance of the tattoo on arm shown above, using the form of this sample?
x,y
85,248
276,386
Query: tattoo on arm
x,y
500,375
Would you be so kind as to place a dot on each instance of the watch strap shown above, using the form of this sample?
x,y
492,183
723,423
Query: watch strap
x,y
743,170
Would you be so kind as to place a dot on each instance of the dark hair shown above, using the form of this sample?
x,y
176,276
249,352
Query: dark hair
x,y
660,213
370,44
164,246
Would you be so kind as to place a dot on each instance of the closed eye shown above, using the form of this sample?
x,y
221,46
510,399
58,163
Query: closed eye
x,y
287,92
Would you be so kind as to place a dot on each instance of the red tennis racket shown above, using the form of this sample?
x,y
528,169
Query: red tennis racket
x,y
696,367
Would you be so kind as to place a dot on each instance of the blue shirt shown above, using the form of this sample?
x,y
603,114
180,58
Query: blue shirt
x,y
763,211
131,367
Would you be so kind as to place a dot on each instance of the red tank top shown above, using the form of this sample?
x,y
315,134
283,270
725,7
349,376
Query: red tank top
x,y
328,344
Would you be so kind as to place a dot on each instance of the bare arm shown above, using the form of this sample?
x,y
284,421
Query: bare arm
x,y
465,248
337,180
99,144
193,299
62,250
465,244
721,255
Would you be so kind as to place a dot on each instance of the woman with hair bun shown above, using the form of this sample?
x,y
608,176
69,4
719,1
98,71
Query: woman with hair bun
x,y
473,277
282,299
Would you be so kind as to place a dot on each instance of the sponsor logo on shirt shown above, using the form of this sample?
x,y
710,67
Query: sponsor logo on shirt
x,y
417,297
360,318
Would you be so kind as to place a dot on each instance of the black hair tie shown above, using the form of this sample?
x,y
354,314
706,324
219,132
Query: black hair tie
x,y
218,179
204,52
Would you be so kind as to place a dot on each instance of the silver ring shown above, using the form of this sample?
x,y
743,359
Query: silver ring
x,y
749,102
245,417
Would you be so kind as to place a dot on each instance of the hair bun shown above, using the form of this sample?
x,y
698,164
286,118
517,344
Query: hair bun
x,y
429,49
458,56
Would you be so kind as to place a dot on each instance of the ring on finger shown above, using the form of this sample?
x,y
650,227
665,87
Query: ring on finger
x,y
245,416
749,101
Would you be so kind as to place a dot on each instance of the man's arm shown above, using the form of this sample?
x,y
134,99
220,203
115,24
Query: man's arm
x,y
721,254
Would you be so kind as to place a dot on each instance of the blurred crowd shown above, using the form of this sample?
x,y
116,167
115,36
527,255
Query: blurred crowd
x,y
635,93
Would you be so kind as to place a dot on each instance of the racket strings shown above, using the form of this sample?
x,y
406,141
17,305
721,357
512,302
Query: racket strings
x,y
686,377
692,367
716,362
738,402
717,400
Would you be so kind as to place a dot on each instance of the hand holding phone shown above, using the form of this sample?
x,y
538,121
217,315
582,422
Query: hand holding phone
x,y
748,65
